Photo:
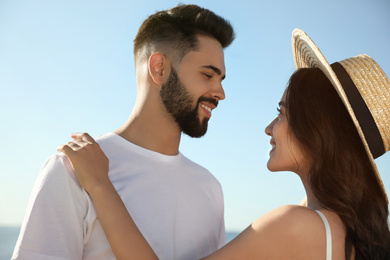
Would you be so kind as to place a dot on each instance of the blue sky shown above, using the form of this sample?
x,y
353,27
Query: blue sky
x,y
67,66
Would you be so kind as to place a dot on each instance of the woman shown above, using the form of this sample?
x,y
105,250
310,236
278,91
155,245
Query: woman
x,y
333,121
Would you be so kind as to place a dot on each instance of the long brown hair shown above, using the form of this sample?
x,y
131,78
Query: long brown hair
x,y
341,177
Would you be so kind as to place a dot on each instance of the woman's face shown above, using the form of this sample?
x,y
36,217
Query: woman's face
x,y
286,153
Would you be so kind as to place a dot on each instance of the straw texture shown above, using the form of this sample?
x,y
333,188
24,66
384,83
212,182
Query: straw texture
x,y
374,86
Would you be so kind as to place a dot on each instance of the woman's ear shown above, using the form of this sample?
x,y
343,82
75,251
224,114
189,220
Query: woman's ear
x,y
159,68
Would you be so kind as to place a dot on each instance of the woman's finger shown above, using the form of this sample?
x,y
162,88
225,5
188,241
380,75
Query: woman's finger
x,y
79,142
69,148
75,145
66,149
83,136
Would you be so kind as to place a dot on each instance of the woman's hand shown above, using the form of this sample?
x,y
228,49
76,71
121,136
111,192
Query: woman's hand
x,y
88,161
90,165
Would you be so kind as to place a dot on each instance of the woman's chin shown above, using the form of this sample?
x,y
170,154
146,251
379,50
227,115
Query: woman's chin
x,y
271,167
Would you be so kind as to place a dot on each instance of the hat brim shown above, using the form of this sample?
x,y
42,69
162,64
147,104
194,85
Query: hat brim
x,y
307,55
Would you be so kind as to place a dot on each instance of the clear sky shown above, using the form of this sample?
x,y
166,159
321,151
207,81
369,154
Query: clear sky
x,y
67,66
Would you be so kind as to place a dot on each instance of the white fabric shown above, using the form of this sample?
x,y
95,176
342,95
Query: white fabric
x,y
328,236
177,205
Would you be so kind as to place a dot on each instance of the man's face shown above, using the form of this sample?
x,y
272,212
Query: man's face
x,y
193,91
179,103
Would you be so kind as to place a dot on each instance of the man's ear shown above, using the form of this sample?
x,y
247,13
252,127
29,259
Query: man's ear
x,y
159,68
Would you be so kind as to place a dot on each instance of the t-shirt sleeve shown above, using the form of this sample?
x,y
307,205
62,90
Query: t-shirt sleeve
x,y
53,226
221,211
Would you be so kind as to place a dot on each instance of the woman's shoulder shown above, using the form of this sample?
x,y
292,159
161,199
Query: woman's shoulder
x,y
287,232
299,230
291,219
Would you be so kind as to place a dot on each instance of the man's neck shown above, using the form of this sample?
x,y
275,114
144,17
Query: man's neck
x,y
157,134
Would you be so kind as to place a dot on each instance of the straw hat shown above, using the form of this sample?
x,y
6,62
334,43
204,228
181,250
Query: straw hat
x,y
363,87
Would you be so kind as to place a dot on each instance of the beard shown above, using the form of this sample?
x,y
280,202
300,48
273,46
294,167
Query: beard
x,y
179,104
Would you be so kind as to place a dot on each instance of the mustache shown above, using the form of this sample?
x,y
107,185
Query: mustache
x,y
208,99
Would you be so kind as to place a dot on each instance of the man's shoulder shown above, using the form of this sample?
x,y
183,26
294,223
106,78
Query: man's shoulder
x,y
194,165
57,171
200,171
54,164
107,139
58,214
57,184
112,144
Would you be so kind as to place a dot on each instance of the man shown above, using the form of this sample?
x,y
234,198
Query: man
x,y
177,204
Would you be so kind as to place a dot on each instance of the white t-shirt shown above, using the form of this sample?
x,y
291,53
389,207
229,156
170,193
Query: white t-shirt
x,y
176,203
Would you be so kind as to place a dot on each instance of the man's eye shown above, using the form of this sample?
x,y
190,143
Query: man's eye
x,y
207,75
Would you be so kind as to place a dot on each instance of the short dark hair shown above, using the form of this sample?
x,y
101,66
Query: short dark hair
x,y
174,32
341,175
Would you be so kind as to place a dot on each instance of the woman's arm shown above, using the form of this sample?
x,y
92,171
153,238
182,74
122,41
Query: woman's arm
x,y
91,169
284,233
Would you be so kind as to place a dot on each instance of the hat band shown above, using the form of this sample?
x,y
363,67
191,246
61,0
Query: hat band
x,y
362,113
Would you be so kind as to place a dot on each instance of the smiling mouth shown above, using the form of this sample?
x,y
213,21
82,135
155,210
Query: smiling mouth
x,y
207,104
206,107
273,146
272,151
